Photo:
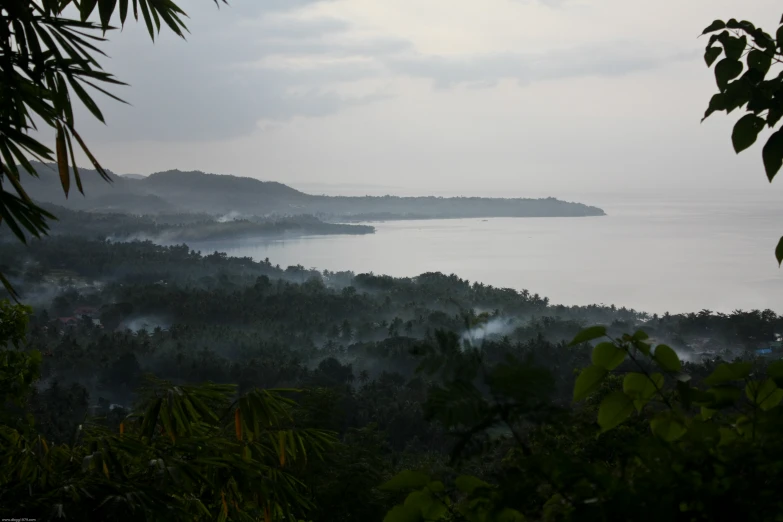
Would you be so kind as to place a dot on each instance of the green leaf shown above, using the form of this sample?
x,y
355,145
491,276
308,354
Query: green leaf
x,y
643,347
717,25
588,381
723,396
727,436
468,484
742,423
641,388
123,12
588,334
712,54
707,413
403,514
147,18
62,160
728,372
406,480
733,46
667,358
151,419
608,356
436,486
690,395
106,9
428,506
725,71
614,409
766,395
736,95
703,430
667,427
746,130
779,251
86,100
759,60
773,154
86,8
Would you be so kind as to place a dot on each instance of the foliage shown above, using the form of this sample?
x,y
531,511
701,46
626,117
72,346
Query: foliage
x,y
18,369
46,57
667,446
185,453
494,407
747,79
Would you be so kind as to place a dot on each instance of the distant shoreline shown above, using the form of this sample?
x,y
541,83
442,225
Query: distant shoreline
x,y
196,192
361,220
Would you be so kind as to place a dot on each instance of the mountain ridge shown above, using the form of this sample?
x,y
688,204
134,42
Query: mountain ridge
x,y
218,194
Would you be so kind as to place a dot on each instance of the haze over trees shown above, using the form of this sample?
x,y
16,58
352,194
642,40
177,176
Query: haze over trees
x,y
157,383
425,374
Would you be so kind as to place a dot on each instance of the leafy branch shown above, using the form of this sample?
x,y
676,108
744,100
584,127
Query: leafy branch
x,y
47,57
758,90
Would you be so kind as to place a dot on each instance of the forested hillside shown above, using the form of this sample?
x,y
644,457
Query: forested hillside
x,y
376,359
176,228
176,191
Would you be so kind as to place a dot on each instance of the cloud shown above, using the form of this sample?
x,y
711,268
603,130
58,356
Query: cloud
x,y
275,60
608,59
253,61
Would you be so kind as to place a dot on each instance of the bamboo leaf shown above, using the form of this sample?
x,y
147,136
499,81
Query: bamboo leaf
x,y
281,447
62,160
76,175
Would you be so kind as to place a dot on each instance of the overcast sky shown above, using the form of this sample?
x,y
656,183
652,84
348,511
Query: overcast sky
x,y
514,97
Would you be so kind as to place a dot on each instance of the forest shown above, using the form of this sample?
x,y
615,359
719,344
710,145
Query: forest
x,y
197,192
149,382
425,398
181,227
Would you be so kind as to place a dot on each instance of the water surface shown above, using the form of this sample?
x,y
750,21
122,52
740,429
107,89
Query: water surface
x,y
651,254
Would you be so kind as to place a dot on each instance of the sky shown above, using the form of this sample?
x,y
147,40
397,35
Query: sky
x,y
492,97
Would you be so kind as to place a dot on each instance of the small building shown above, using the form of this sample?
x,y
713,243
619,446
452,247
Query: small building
x,y
771,348
68,321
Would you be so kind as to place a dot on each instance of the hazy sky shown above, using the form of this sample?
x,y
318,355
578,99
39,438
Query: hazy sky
x,y
516,97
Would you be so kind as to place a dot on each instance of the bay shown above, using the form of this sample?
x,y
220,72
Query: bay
x,y
651,254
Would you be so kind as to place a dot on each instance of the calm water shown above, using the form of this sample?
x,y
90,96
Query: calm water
x,y
652,255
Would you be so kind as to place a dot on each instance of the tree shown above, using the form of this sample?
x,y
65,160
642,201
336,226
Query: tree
x,y
664,447
184,453
758,89
46,56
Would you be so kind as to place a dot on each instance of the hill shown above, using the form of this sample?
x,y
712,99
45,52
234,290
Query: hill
x,y
173,228
178,191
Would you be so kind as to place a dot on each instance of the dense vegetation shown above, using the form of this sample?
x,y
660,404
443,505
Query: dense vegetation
x,y
176,228
462,384
416,399
214,194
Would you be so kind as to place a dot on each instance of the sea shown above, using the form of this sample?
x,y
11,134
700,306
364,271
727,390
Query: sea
x,y
650,253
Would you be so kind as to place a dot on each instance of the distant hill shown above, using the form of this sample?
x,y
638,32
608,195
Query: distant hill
x,y
133,176
185,228
177,191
